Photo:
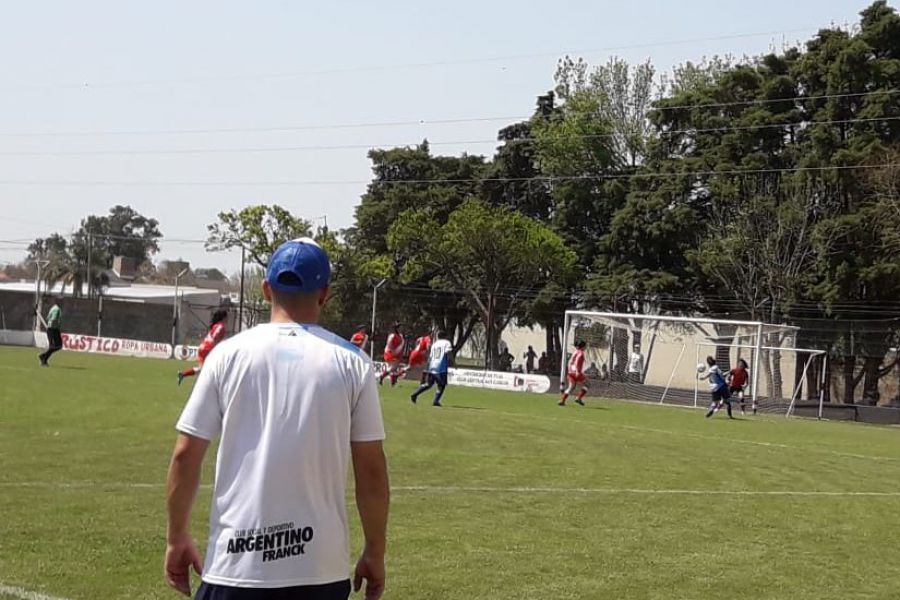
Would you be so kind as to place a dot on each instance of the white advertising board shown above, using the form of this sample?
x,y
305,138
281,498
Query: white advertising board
x,y
494,380
188,353
115,346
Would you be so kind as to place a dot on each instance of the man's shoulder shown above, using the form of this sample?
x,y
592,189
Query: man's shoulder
x,y
337,342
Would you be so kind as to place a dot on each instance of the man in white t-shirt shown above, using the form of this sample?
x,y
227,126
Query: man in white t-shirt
x,y
291,404
636,365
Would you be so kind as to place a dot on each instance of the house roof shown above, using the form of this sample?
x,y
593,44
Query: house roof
x,y
137,292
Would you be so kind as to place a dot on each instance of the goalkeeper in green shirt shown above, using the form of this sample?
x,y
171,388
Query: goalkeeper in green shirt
x,y
54,333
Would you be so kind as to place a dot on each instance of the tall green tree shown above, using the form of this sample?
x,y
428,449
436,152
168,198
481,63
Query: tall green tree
x,y
258,230
497,257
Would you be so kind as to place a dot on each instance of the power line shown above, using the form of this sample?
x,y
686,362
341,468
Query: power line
x,y
399,66
414,122
264,149
448,181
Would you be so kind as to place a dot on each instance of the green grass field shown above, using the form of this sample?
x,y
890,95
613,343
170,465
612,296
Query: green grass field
x,y
496,496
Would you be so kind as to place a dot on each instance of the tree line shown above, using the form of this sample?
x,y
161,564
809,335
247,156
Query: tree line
x,y
764,189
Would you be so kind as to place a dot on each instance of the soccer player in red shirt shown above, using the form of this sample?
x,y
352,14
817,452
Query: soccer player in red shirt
x,y
393,355
737,381
419,354
360,339
575,375
215,335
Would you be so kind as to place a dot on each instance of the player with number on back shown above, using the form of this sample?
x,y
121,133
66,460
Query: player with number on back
x,y
215,335
438,369
575,375
718,387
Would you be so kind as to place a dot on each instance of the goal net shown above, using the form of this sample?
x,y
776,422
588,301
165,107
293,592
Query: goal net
x,y
653,358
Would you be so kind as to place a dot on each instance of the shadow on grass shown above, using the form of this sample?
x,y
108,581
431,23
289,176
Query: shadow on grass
x,y
459,407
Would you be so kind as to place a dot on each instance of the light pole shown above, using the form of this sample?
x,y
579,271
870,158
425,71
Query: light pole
x,y
175,308
38,298
374,303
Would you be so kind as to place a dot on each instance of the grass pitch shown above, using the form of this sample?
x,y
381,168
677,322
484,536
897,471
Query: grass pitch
x,y
496,496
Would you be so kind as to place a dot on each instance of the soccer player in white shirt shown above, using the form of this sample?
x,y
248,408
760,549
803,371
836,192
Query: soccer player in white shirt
x,y
438,368
292,404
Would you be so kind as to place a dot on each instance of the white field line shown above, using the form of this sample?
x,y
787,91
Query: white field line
x,y
24,594
704,437
493,489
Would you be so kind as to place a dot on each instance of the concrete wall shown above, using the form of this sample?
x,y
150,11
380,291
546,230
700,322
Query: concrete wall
x,y
121,319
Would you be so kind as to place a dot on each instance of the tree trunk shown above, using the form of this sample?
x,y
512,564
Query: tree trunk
x,y
871,377
847,369
619,354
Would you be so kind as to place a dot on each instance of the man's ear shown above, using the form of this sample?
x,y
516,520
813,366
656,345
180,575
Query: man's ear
x,y
267,291
324,295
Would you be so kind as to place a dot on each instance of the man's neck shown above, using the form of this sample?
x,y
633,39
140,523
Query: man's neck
x,y
300,317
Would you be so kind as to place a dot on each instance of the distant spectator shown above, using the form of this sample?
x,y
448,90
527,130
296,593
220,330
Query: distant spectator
x,y
506,360
543,363
529,357
636,365
592,371
604,372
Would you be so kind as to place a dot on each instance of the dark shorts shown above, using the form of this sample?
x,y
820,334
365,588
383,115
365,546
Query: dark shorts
x,y
721,394
339,590
54,337
439,379
737,389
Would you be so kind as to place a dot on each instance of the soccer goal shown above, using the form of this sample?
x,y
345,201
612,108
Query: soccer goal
x,y
654,358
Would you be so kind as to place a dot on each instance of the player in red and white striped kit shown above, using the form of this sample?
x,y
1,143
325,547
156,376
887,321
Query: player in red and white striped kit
x,y
393,355
215,335
575,375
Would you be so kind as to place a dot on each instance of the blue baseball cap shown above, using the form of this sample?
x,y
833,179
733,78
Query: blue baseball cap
x,y
298,266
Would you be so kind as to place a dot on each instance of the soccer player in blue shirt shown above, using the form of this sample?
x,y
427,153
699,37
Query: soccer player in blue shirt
x,y
438,368
718,387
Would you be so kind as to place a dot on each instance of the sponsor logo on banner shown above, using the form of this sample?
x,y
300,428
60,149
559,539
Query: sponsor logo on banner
x,y
186,352
115,346
494,380
500,380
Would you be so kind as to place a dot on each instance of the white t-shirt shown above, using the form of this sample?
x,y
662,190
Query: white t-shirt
x,y
439,357
287,401
636,363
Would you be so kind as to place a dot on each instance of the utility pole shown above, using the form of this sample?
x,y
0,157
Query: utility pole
x,y
175,308
38,296
240,326
88,266
374,303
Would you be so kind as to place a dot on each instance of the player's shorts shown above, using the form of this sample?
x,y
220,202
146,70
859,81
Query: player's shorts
x,y
575,378
391,358
736,389
416,358
439,379
721,394
338,590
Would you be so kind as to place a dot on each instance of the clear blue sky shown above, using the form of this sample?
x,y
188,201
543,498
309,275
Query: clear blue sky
x,y
100,66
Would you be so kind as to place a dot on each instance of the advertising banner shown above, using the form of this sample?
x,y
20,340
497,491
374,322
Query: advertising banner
x,y
494,380
188,353
115,346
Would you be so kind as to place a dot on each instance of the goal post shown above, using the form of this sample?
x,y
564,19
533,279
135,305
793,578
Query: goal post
x,y
648,357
